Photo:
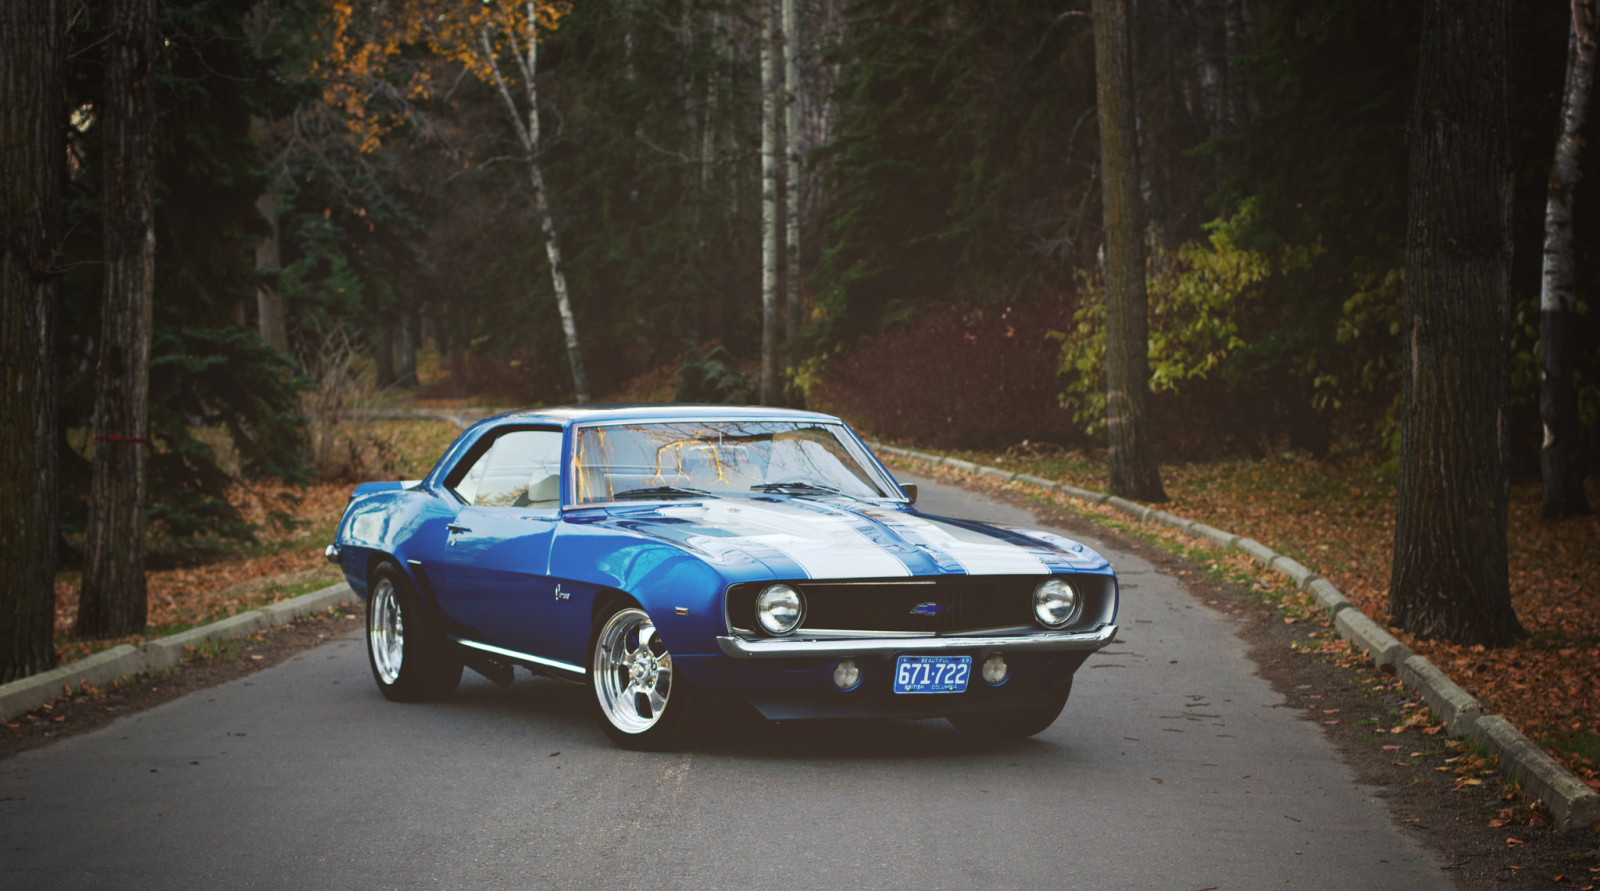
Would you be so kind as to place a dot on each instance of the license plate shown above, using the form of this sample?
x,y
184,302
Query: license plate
x,y
932,674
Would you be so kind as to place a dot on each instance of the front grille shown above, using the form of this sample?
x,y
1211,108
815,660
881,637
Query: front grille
x,y
946,605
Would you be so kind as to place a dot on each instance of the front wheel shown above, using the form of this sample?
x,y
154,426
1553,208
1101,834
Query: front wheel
x,y
410,659
641,700
985,727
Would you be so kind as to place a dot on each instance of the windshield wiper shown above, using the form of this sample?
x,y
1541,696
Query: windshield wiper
x,y
660,491
796,486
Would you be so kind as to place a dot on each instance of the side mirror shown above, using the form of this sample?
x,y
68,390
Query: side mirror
x,y
911,491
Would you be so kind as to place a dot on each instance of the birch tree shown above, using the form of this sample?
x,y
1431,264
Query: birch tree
x,y
1134,473
792,184
1560,456
503,28
770,247
33,159
1450,578
113,601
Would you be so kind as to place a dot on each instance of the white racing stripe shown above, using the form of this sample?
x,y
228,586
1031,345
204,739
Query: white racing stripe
x,y
826,546
978,554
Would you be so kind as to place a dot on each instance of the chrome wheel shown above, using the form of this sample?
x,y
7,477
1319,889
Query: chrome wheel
x,y
633,676
386,633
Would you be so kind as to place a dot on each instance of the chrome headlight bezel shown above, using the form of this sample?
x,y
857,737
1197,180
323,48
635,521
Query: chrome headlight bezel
x,y
1056,603
779,610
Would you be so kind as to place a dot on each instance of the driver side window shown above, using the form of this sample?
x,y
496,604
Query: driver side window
x,y
521,469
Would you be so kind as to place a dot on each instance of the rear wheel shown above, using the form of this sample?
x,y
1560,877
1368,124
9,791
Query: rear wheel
x,y
409,657
985,727
641,701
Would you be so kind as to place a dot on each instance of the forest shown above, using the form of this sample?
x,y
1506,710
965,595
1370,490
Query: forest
x,y
820,203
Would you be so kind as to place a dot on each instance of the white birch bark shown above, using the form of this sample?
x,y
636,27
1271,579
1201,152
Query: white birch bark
x,y
770,249
1560,459
527,130
792,180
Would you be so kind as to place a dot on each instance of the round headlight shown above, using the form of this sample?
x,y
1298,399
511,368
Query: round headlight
x,y
779,609
1055,603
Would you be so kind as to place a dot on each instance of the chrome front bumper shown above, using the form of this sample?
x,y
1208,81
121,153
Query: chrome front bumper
x,y
788,648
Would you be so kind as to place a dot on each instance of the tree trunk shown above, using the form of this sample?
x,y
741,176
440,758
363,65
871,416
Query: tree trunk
x,y
269,303
113,601
383,355
1133,465
792,181
1561,456
527,130
406,360
32,170
771,387
1450,579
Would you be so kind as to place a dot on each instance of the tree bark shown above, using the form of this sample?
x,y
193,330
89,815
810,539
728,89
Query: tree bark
x,y
1561,457
792,181
32,170
1133,465
1450,579
527,130
113,600
269,303
770,248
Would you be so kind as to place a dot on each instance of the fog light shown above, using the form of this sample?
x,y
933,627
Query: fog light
x,y
995,670
847,675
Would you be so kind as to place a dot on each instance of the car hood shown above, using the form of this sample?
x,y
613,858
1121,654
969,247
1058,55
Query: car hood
x,y
838,538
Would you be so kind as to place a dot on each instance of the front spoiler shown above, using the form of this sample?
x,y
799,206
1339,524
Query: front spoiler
x,y
785,648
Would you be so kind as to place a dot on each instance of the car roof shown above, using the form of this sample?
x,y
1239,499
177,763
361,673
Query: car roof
x,y
567,415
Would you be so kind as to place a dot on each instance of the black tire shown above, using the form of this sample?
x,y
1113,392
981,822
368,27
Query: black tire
x,y
640,699
410,659
987,727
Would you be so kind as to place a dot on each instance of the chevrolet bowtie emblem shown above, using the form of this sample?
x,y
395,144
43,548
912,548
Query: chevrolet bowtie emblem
x,y
928,609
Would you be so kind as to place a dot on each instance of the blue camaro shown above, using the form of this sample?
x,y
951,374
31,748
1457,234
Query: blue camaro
x,y
666,554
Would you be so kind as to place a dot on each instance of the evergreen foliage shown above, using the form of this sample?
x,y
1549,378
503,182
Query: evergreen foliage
x,y
204,369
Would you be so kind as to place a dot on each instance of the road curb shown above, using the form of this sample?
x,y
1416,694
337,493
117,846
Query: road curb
x,y
25,695
1572,804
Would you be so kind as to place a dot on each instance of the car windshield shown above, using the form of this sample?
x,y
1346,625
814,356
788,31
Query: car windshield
x,y
696,459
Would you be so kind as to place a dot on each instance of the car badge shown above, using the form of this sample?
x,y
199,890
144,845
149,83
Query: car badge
x,y
929,609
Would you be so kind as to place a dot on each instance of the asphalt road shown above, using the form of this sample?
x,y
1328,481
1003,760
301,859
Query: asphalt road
x,y
1174,766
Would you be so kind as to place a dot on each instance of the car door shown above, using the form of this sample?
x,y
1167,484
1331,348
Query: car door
x,y
489,567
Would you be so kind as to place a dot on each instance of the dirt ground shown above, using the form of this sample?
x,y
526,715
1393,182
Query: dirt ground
x,y
1483,832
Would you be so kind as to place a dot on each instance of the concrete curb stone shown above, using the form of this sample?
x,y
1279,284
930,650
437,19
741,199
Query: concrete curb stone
x,y
1294,569
1256,550
1037,481
1328,597
1224,540
1173,520
27,694
1455,706
1137,511
1385,650
285,611
1573,805
1004,476
168,651
1087,495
